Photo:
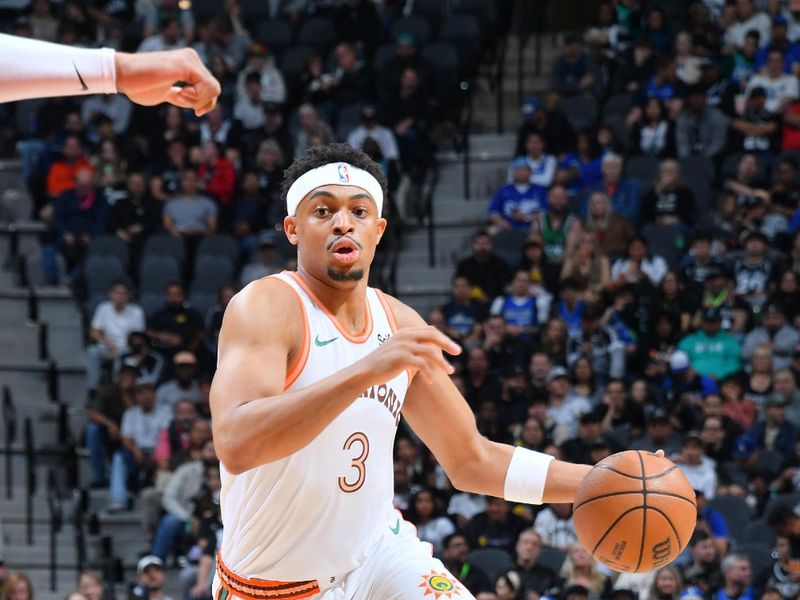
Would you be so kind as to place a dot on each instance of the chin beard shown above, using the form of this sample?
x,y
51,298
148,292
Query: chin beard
x,y
355,275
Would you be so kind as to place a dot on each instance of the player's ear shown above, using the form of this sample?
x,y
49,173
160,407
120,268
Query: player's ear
x,y
290,229
381,228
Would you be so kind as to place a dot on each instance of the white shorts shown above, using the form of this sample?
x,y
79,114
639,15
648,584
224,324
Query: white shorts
x,y
401,567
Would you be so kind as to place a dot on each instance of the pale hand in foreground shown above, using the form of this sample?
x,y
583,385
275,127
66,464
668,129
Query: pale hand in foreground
x,y
149,78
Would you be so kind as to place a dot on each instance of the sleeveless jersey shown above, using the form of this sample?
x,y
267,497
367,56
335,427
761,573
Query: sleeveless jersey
x,y
317,513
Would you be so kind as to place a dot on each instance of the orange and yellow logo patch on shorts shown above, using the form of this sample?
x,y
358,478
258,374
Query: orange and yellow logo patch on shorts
x,y
440,584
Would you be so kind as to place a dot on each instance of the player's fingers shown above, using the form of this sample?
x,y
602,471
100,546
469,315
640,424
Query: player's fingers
x,y
179,98
431,335
660,453
423,368
206,108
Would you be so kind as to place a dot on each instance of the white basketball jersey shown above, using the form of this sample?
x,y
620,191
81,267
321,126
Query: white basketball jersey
x,y
317,513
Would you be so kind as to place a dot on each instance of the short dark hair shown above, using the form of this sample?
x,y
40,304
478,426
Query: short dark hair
x,y
318,156
124,283
698,536
779,516
449,538
253,77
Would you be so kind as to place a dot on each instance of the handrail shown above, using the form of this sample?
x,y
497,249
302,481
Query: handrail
x,y
465,129
434,182
30,479
54,506
498,83
81,506
10,422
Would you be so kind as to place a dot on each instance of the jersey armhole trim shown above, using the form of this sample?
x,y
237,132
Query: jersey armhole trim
x,y
387,308
293,372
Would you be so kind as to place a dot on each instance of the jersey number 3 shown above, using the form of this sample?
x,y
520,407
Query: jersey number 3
x,y
358,463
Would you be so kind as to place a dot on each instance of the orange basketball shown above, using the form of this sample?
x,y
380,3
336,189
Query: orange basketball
x,y
635,511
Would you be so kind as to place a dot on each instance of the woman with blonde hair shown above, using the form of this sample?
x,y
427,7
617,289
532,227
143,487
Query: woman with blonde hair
x,y
91,585
612,231
667,584
580,568
758,384
17,586
586,265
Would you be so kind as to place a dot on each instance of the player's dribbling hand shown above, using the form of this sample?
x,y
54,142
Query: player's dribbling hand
x,y
149,78
418,348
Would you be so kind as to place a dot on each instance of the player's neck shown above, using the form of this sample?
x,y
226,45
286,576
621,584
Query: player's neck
x,y
347,303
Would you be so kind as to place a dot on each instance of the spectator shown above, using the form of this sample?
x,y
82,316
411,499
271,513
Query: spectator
x,y
772,433
455,556
704,569
590,430
653,134
481,384
542,276
136,216
181,440
542,165
696,266
570,308
16,586
781,89
624,193
700,130
580,569
557,227
424,513
272,87
736,406
217,174
684,384
408,115
538,370
782,576
183,386
267,260
113,321
747,183
177,500
582,168
249,108
714,431
190,214
779,335
62,173
533,436
252,213
508,353
310,124
667,584
535,577
486,272
213,321
209,531
669,201
588,267
574,72
660,435
742,64
370,128
623,418
753,270
141,425
142,357
462,313
698,468
516,204
115,107
151,578
269,167
757,130
563,410
91,585
548,121
611,230
518,308
508,586
497,527
712,351
175,324
601,343
737,571
746,19
170,38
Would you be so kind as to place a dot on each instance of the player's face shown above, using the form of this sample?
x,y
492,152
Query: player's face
x,y
336,229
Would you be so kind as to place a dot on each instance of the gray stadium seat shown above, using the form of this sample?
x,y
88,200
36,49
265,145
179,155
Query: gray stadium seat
x,y
277,35
164,244
318,32
101,271
434,10
661,240
507,244
790,500
151,302
110,245
219,244
771,462
760,556
703,194
202,302
347,119
254,10
294,60
734,509
618,104
491,561
552,558
581,111
464,32
156,272
698,167
643,169
417,25
442,59
757,532
210,273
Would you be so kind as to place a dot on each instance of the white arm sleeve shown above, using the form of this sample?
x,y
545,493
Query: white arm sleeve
x,y
35,69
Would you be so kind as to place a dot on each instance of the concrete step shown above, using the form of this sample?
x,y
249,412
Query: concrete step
x,y
19,341
415,278
458,211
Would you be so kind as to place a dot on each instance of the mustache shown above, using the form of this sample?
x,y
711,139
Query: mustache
x,y
344,237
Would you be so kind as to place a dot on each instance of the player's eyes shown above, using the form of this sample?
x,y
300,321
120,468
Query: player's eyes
x,y
321,211
360,211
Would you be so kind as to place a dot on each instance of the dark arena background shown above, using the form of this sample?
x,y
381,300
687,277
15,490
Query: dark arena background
x,y
598,200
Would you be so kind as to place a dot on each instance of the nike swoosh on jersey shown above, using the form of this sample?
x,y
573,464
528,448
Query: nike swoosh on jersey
x,y
320,343
396,529
84,87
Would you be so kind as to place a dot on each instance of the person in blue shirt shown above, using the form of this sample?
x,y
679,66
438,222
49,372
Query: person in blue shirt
x,y
462,313
518,307
570,309
779,40
711,521
581,168
515,204
738,577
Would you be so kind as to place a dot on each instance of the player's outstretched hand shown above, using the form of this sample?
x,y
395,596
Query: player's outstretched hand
x,y
417,348
150,78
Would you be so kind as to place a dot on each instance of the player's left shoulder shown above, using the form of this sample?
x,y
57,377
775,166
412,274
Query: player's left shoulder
x,y
403,313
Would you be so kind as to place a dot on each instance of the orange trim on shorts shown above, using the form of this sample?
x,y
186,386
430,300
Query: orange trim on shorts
x,y
358,338
293,371
262,589
387,308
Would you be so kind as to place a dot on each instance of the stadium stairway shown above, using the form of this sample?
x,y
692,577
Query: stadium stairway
x,y
42,367
425,283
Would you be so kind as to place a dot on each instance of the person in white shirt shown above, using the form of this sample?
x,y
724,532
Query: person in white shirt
x,y
782,89
555,526
249,108
698,468
747,19
183,387
543,166
170,38
370,128
564,411
638,265
113,321
273,86
35,69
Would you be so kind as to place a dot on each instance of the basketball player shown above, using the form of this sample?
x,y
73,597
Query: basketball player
x,y
35,69
315,370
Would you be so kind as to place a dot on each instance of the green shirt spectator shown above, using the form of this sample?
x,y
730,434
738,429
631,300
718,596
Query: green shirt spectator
x,y
712,352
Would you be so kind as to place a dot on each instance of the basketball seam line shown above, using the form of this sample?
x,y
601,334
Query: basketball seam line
x,y
668,520
654,493
644,513
614,524
639,477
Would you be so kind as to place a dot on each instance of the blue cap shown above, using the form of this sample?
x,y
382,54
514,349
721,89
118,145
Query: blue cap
x,y
530,106
780,20
520,161
692,593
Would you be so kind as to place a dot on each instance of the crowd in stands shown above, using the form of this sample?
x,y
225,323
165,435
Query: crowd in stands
x,y
636,284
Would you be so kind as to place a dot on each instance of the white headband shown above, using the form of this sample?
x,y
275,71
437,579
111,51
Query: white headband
x,y
333,174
